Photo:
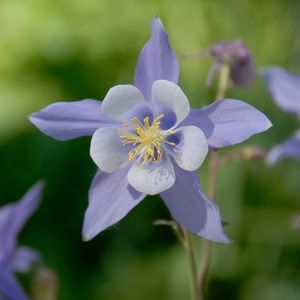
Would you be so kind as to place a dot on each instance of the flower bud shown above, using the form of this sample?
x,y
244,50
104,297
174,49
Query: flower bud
x,y
252,153
45,285
295,222
239,59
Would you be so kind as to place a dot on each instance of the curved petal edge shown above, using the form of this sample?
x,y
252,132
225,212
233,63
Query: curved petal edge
x,y
228,122
108,203
284,88
156,61
68,120
191,208
289,148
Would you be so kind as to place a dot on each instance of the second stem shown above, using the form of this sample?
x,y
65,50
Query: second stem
x,y
211,189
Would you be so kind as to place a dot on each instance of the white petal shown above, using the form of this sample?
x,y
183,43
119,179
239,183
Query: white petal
x,y
192,149
170,95
107,150
153,178
120,99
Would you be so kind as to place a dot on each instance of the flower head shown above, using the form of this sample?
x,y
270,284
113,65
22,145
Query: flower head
x,y
13,258
239,59
149,137
147,140
284,88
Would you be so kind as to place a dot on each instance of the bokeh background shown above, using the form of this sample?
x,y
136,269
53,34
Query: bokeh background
x,y
52,50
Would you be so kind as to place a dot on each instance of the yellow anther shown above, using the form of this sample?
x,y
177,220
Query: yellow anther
x,y
147,139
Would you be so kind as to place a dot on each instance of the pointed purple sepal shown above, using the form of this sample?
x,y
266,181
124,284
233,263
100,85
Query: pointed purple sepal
x,y
9,287
68,120
12,219
289,148
157,61
110,199
284,88
192,209
228,122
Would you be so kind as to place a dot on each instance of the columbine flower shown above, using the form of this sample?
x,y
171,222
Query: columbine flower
x,y
13,258
147,140
285,91
239,59
150,139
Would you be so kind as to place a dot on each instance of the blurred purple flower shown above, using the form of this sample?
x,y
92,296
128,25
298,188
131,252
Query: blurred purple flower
x,y
284,88
147,140
239,59
12,258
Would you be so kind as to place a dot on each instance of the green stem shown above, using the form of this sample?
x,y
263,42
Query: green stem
x,y
206,244
223,82
192,262
211,190
186,240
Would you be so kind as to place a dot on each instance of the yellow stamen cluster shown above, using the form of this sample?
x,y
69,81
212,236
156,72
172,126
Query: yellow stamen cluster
x,y
147,139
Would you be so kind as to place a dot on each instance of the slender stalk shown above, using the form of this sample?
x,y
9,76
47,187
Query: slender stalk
x,y
223,82
213,173
189,247
211,190
186,240
199,278
206,244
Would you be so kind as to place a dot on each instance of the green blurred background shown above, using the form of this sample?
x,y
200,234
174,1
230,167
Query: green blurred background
x,y
52,50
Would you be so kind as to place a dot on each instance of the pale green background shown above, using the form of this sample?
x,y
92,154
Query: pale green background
x,y
69,50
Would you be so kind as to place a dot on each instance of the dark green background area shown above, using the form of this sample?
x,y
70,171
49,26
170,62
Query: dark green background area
x,y
70,50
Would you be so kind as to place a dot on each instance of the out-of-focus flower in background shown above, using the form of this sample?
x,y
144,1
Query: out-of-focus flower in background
x,y
45,284
284,88
154,119
239,59
13,258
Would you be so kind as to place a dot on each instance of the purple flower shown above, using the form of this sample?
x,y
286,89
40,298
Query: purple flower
x,y
12,258
239,59
147,140
148,136
284,88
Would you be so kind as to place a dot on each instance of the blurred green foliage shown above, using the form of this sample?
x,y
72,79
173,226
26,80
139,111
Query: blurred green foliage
x,y
53,50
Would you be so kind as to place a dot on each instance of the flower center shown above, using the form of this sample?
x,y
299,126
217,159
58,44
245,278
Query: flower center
x,y
147,139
